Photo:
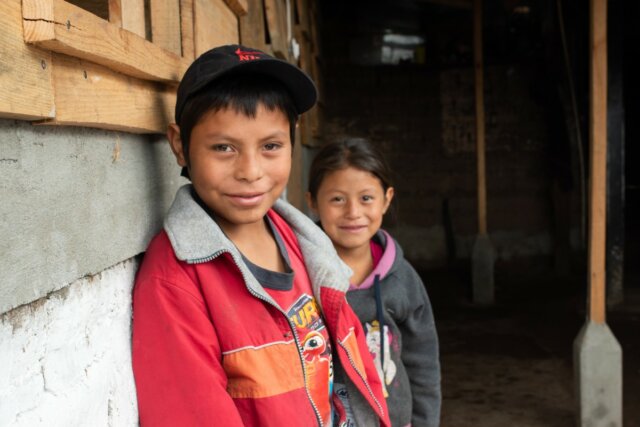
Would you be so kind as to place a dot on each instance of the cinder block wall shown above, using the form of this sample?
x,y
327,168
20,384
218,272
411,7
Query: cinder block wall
x,y
423,119
78,206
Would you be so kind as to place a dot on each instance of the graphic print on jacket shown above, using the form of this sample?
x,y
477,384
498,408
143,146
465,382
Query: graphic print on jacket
x,y
387,368
316,351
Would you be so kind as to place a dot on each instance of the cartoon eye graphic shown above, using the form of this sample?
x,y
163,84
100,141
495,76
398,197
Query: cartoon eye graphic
x,y
313,345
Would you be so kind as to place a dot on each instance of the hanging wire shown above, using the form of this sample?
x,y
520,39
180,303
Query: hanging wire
x,y
574,107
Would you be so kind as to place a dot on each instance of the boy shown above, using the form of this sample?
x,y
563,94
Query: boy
x,y
239,305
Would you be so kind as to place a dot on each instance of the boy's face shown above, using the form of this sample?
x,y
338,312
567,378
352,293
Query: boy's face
x,y
238,165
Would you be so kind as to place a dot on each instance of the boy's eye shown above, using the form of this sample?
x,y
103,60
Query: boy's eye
x,y
222,147
336,199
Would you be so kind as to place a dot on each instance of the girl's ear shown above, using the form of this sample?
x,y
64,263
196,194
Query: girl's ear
x,y
310,203
388,197
173,134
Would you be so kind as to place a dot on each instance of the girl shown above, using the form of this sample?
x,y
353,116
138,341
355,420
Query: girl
x,y
350,191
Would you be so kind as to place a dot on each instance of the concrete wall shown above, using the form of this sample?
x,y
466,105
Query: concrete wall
x,y
66,360
74,202
78,205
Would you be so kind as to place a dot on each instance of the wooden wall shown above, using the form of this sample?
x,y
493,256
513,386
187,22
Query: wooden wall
x,y
115,64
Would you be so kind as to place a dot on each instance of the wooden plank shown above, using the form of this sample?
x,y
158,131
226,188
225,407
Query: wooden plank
x,y
133,17
214,25
65,28
87,94
115,12
302,14
26,91
165,24
239,7
598,158
186,23
252,26
480,125
275,11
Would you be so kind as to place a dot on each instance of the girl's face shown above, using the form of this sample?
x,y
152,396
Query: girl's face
x,y
351,203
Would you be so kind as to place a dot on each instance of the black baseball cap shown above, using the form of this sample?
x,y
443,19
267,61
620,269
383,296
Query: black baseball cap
x,y
223,60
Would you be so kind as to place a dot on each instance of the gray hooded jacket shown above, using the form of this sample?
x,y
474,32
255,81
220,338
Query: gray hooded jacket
x,y
409,348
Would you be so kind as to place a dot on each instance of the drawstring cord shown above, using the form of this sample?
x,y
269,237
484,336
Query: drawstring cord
x,y
380,315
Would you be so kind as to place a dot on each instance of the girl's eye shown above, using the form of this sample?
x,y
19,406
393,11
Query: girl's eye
x,y
367,198
272,146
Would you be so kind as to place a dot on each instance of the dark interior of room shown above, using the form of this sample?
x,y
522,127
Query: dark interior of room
x,y
400,73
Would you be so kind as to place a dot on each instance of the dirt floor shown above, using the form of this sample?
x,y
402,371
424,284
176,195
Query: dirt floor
x,y
511,365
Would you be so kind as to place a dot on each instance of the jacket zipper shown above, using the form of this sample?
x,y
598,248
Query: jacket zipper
x,y
291,326
355,368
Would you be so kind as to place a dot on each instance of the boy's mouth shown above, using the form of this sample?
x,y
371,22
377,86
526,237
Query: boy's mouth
x,y
246,199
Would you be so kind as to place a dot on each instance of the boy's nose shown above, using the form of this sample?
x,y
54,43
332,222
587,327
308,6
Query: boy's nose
x,y
248,168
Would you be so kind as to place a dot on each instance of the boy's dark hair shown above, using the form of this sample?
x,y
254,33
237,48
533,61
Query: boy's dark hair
x,y
352,152
242,93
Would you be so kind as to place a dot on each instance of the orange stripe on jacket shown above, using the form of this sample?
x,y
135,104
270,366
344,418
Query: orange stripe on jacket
x,y
264,371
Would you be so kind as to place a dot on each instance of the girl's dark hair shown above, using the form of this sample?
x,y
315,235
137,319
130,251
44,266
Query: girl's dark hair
x,y
353,152
241,93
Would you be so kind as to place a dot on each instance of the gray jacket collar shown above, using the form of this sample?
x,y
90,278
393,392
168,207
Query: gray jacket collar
x,y
196,238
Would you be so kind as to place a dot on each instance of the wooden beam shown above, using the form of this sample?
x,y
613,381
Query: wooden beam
x,y
65,28
598,158
480,129
133,18
215,25
239,7
186,23
87,94
165,24
26,91
252,27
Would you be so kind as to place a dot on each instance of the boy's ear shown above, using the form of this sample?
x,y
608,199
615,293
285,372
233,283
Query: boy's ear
x,y
388,197
310,202
173,135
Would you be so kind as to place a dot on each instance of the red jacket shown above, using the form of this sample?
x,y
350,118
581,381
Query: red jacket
x,y
211,348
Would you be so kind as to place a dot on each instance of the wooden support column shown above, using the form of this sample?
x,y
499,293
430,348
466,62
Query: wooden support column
x,y
598,159
483,254
597,353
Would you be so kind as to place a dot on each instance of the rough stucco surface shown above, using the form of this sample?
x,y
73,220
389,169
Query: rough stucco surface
x,y
66,358
74,202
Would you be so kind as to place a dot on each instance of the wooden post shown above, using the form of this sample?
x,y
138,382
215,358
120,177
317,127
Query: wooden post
x,y
480,131
483,253
598,154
